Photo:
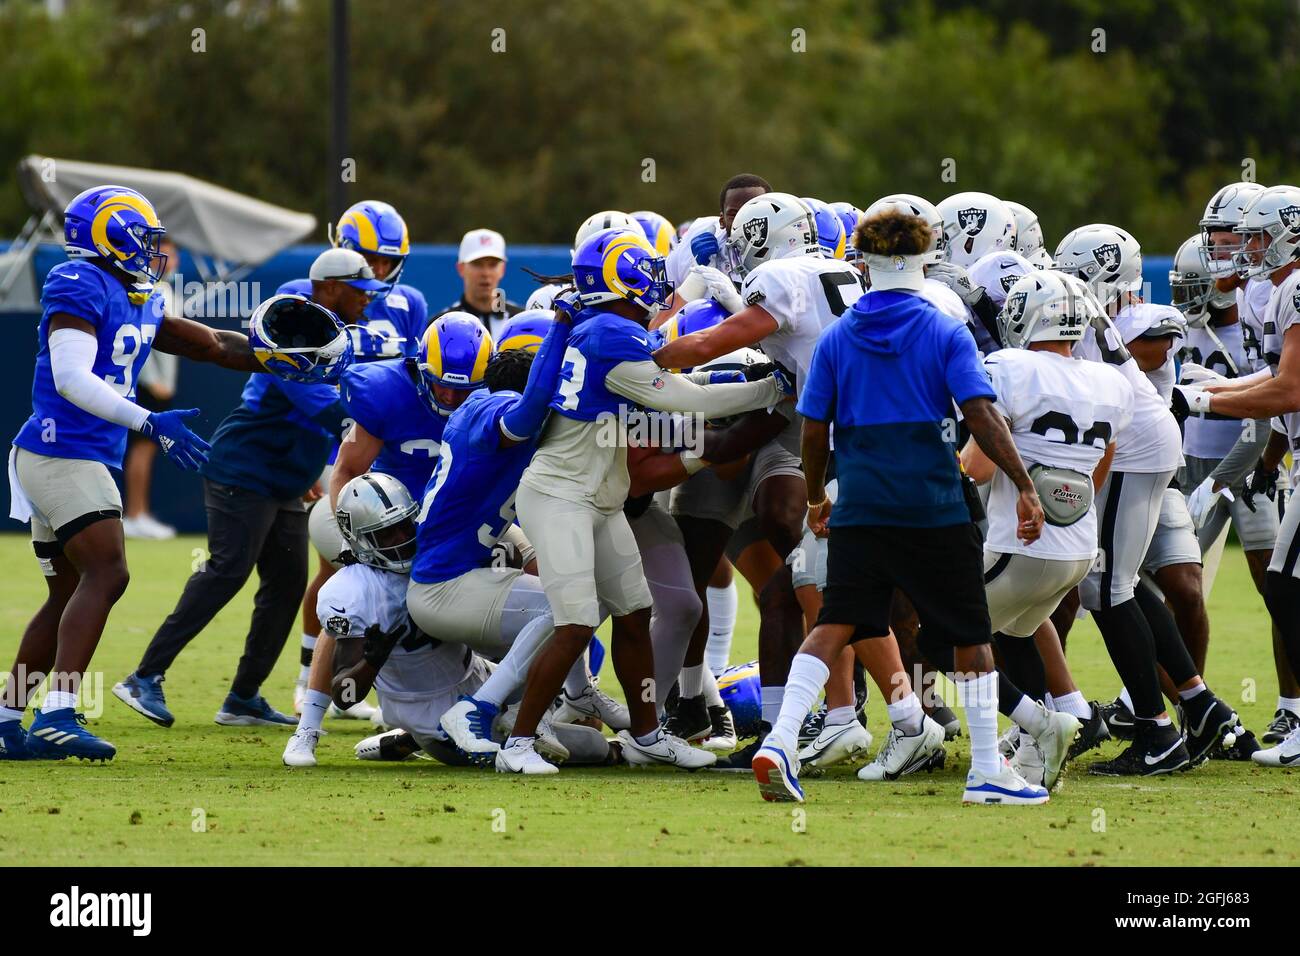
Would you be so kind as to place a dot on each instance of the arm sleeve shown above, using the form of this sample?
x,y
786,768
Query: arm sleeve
x,y
72,362
817,399
963,372
528,414
647,384
1241,458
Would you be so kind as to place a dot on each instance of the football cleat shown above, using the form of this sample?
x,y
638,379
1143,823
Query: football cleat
x,y
812,726
946,718
593,702
664,749
1281,726
1092,732
1205,721
835,744
13,741
902,753
1119,719
1285,754
1004,787
1009,742
522,757
468,723
144,695
722,738
361,710
1239,744
58,734
1027,760
1054,743
690,721
547,743
255,711
741,760
392,745
300,751
776,771
1155,750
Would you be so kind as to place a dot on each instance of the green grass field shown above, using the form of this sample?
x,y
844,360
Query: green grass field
x,y
203,794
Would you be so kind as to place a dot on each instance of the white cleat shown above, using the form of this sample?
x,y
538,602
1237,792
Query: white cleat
x,y
722,739
836,743
1028,760
1009,741
361,710
593,702
1285,754
548,745
1054,744
459,722
395,744
1004,787
902,754
664,749
300,751
776,770
523,758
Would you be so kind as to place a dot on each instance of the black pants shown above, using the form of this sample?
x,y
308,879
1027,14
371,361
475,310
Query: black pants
x,y
245,530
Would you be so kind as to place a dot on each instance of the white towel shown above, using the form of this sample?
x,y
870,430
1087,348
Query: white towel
x,y
20,506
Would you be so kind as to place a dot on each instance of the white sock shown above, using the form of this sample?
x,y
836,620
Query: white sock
x,y
723,603
304,665
712,696
1127,699
1291,704
772,698
906,714
840,715
314,705
1029,717
1193,692
578,678
808,676
691,681
979,698
1164,721
1050,702
517,741
509,676
8,713
1073,703
58,700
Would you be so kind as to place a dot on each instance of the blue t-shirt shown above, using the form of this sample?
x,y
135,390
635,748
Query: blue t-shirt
x,y
57,427
599,342
470,501
277,440
402,314
381,397
887,374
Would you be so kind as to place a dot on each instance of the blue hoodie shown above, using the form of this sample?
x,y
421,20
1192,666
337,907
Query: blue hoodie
x,y
887,374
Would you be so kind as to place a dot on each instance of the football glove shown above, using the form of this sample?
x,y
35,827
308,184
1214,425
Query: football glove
x,y
1202,500
1193,374
177,442
1187,400
378,643
957,279
706,282
566,306
705,246
726,377
1262,481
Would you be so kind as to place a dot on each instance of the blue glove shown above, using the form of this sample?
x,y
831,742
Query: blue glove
x,y
177,442
704,247
567,305
726,377
784,379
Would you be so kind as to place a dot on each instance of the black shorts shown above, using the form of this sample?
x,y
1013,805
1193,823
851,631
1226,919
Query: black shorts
x,y
941,570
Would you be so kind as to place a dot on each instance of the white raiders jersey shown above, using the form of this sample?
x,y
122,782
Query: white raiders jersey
x,y
805,294
1252,304
1283,313
419,667
1163,378
1152,443
1063,412
1221,349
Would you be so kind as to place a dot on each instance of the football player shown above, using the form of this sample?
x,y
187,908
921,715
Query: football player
x,y
572,494
101,316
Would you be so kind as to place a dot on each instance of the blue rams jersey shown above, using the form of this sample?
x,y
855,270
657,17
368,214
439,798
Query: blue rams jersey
x,y
599,342
470,501
124,331
381,397
402,314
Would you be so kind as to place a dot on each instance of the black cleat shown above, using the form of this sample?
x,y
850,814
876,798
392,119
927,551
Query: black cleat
x,y
690,721
1092,733
741,760
722,738
1155,750
812,726
1205,720
948,720
1279,729
1119,719
1242,747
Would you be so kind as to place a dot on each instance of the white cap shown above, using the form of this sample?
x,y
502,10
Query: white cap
x,y
346,265
896,272
480,243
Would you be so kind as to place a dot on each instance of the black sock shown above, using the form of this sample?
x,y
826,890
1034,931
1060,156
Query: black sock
x,y
1132,650
1022,663
304,656
1282,595
1171,651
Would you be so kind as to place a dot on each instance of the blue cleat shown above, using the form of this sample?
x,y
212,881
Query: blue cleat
x,y
57,734
13,741
1004,787
776,771
468,723
238,712
144,695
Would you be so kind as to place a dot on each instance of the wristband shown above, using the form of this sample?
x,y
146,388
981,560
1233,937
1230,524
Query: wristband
x,y
692,462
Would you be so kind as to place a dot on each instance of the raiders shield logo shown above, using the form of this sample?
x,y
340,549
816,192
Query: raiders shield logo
x,y
756,231
1290,216
1015,307
338,625
972,220
1295,302
1008,281
1107,256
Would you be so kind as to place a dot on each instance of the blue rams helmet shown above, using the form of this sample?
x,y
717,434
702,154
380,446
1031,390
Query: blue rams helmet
x,y
741,691
454,354
119,225
830,229
693,317
618,264
525,330
658,230
375,228
849,216
299,340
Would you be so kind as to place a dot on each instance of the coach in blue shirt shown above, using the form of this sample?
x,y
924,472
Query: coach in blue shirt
x,y
886,375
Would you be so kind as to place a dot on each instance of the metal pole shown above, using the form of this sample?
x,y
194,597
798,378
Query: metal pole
x,y
338,192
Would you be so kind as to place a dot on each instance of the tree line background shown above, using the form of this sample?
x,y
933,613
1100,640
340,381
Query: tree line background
x,y
1136,125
